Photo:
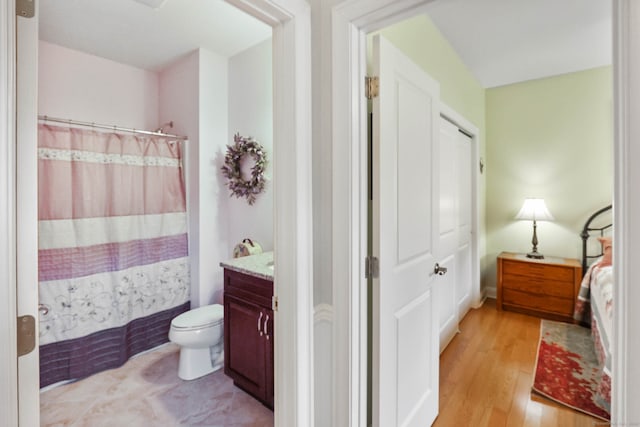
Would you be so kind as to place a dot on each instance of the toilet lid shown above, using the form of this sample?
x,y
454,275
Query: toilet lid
x,y
198,317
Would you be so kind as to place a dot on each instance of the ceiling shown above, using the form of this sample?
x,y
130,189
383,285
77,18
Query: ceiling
x,y
131,32
501,41
508,41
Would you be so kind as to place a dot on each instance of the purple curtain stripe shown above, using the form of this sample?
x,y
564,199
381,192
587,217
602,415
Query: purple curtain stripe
x,y
108,349
69,263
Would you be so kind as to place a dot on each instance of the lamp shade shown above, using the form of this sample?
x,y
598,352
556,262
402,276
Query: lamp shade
x,y
534,209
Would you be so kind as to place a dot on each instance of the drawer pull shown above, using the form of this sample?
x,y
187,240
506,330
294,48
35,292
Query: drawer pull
x,y
259,321
266,322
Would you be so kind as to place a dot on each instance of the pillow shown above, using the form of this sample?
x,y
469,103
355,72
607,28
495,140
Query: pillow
x,y
607,249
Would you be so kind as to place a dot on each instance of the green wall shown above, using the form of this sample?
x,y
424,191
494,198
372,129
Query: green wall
x,y
550,138
421,41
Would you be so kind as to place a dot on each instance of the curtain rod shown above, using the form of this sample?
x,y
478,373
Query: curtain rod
x,y
114,128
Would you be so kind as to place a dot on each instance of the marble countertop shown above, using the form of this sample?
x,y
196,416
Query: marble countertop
x,y
260,265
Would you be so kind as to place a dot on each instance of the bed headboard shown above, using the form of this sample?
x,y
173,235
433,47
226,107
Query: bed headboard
x,y
599,223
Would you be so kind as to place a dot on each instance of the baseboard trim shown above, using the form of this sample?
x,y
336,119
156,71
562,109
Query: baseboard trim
x,y
490,293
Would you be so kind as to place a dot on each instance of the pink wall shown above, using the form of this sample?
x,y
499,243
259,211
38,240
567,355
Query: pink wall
x,y
251,114
193,93
79,86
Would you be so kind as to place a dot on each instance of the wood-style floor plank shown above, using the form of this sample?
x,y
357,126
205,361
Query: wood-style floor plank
x,y
486,374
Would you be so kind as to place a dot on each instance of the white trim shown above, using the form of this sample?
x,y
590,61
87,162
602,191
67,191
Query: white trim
x,y
349,385
350,21
292,231
323,365
323,313
491,292
27,210
8,351
457,119
626,347
293,225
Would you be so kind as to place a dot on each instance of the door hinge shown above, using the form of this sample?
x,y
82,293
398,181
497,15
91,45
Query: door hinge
x,y
26,8
26,334
371,267
274,303
371,87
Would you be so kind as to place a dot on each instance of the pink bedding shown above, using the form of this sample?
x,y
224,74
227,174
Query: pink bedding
x,y
594,307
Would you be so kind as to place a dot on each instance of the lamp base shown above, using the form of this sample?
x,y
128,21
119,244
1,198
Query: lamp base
x,y
535,255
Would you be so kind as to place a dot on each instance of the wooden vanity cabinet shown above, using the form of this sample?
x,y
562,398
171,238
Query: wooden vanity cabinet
x,y
248,334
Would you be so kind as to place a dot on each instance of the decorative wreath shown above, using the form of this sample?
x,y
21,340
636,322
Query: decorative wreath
x,y
231,169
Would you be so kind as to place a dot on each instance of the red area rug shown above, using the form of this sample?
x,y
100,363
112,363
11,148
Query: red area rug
x,y
567,367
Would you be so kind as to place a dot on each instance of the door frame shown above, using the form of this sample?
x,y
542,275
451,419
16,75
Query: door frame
x,y
291,24
351,20
8,351
293,219
625,382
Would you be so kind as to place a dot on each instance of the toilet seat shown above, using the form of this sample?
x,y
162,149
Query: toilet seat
x,y
198,318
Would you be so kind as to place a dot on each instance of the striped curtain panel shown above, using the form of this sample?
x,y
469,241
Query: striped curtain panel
x,y
113,248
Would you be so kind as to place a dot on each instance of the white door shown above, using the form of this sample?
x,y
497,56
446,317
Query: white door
x,y
453,291
405,238
27,211
445,289
465,166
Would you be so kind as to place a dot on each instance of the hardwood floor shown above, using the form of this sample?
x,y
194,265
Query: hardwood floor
x,y
486,374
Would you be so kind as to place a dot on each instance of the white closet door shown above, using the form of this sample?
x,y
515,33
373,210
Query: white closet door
x,y
453,291
464,251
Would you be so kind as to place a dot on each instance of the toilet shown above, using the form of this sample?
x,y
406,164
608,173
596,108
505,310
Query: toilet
x,y
199,334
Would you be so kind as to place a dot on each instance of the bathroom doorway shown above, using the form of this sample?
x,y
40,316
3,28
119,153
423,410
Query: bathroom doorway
x,y
202,295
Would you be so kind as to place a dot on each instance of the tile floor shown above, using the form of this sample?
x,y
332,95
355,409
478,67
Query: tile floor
x,y
147,392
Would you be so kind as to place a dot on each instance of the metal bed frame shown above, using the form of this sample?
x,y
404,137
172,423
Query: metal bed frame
x,y
587,232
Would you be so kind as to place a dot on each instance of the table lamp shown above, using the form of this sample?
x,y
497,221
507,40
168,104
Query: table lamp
x,y
536,210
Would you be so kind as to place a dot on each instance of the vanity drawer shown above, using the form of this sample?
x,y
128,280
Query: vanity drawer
x,y
251,288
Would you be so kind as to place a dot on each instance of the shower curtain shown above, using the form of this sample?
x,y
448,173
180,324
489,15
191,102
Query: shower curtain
x,y
113,254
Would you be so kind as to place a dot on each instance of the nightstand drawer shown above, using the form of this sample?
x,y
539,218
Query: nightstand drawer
x,y
535,302
532,269
541,287
538,285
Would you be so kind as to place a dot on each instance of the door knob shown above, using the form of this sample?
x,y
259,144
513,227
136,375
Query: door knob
x,y
440,271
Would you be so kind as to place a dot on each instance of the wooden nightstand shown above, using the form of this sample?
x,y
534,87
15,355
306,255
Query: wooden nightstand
x,y
545,287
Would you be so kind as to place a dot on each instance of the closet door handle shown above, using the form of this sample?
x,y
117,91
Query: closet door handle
x,y
439,270
259,321
266,322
